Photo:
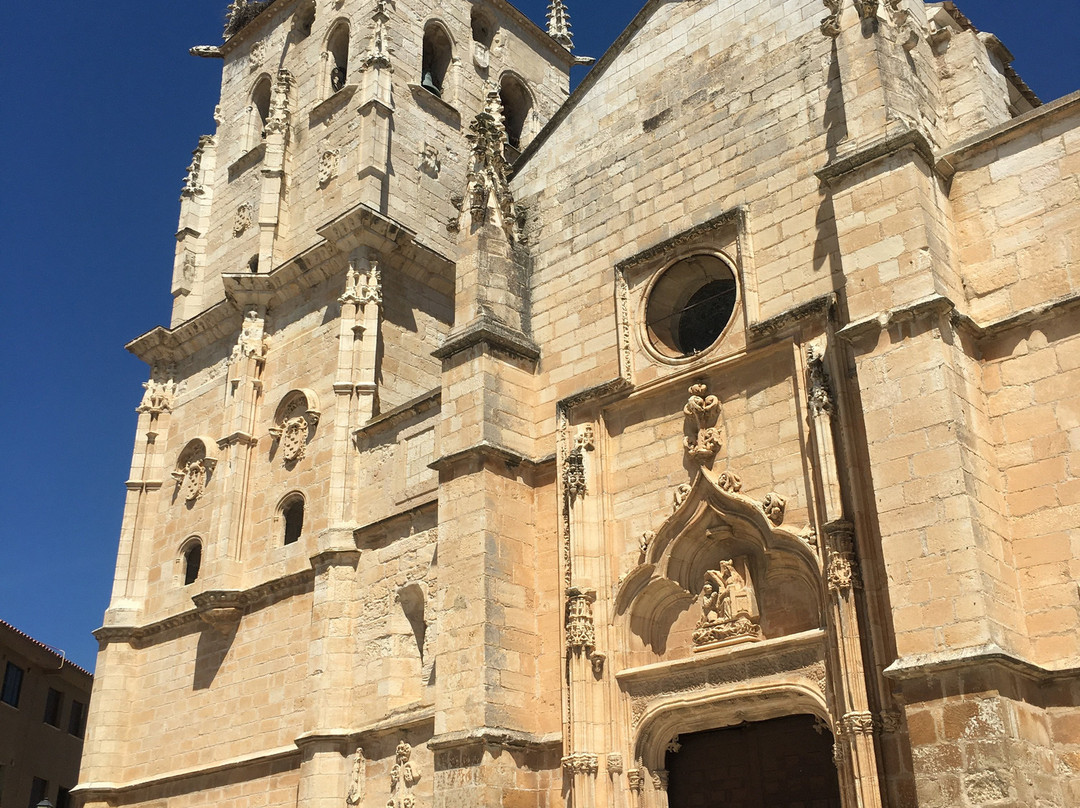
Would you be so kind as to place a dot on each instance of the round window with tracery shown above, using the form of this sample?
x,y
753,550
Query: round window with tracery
x,y
690,305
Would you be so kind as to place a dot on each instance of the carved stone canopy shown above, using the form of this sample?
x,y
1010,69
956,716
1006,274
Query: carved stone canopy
x,y
294,423
194,466
716,548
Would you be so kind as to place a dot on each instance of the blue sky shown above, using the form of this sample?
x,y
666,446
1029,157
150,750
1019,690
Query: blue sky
x,y
101,108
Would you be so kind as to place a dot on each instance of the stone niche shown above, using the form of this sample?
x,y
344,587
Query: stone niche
x,y
718,574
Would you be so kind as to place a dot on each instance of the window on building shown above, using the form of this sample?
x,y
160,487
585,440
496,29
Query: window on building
x,y
38,789
260,105
192,563
63,798
77,719
337,52
436,59
516,104
54,705
690,305
292,514
13,678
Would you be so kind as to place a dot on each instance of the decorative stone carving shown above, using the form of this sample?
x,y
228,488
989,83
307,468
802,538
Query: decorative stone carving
x,y
193,182
867,8
252,341
842,568
830,25
614,763
581,763
278,120
574,466
597,660
160,392
480,55
580,631
257,55
363,288
486,182
729,481
378,53
635,779
193,469
328,166
681,493
647,538
857,723
728,607
900,19
660,780
295,421
357,781
774,506
673,745
890,721
558,24
820,397
701,412
402,773
240,12
242,219
430,163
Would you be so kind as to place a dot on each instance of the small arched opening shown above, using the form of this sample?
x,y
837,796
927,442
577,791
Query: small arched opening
x,y
517,104
337,56
259,110
292,518
191,561
436,59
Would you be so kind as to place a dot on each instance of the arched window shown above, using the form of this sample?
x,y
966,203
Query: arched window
x,y
191,561
292,518
517,104
260,110
337,56
436,59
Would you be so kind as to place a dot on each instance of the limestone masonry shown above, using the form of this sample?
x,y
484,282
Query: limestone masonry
x,y
709,436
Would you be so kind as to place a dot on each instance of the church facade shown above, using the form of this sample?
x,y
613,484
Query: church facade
x,y
707,436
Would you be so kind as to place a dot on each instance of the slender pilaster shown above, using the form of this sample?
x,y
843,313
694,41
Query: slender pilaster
x,y
273,170
195,204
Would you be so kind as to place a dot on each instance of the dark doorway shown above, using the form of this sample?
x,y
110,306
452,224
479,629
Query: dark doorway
x,y
782,763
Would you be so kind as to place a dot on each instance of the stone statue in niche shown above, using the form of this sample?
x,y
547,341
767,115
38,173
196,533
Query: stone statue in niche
x,y
728,607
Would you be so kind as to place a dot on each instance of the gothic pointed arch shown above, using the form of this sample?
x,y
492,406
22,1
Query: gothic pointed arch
x,y
719,571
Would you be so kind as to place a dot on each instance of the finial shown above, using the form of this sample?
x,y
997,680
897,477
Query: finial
x,y
558,21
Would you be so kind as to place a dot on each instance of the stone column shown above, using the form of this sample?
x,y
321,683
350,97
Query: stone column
x,y
273,169
376,115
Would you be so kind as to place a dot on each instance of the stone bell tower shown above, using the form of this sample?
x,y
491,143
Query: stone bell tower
x,y
316,599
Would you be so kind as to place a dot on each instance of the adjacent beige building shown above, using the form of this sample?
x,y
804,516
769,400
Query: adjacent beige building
x,y
43,704
709,436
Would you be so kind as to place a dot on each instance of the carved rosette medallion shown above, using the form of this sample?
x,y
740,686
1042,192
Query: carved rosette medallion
x,y
580,630
357,781
701,411
728,607
774,506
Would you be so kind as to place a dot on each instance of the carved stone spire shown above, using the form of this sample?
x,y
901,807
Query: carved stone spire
x,y
558,24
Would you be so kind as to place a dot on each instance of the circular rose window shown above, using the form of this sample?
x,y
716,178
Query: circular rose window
x,y
690,305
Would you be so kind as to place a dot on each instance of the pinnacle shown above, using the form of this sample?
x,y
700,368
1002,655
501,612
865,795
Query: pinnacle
x,y
558,21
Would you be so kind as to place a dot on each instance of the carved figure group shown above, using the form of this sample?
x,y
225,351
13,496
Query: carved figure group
x,y
725,595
